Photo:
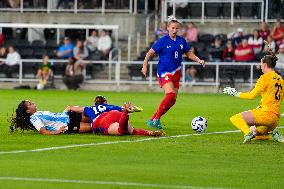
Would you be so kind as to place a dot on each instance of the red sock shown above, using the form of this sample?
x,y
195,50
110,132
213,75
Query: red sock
x,y
123,123
140,132
153,117
166,104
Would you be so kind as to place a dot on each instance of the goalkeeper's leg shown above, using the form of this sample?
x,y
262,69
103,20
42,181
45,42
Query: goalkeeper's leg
x,y
239,122
262,133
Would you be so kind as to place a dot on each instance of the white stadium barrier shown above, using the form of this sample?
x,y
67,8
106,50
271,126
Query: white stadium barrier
x,y
114,77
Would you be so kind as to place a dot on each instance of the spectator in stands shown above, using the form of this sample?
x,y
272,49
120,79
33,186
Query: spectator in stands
x,y
256,42
12,62
237,37
190,74
1,39
160,32
216,50
277,32
264,31
192,70
65,51
104,43
92,41
229,52
271,43
44,72
182,31
280,63
191,33
244,53
14,3
3,55
73,74
64,2
80,51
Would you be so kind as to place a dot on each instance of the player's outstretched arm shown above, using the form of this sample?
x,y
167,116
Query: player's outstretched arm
x,y
248,95
76,109
43,131
148,56
193,57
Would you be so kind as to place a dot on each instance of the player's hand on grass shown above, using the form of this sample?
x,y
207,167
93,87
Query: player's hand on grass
x,y
144,69
231,91
61,130
67,109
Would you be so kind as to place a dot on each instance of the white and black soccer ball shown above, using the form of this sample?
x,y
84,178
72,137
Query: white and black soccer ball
x,y
199,124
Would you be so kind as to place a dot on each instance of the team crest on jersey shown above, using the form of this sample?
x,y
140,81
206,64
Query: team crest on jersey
x,y
181,46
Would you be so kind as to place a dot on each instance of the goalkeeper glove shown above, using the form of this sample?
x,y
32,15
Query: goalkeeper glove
x,y
231,91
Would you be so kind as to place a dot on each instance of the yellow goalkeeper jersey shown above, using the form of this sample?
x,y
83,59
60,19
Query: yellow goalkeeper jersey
x,y
271,88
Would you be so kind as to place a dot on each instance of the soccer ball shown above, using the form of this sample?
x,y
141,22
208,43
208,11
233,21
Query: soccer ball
x,y
199,124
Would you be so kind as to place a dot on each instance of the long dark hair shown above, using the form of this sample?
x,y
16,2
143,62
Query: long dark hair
x,y
22,119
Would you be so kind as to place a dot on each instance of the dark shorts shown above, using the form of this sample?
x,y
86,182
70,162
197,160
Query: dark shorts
x,y
74,124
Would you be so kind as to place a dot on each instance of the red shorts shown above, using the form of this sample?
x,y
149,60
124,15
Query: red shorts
x,y
174,78
103,122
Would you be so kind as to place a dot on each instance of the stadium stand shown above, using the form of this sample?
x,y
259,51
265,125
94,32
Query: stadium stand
x,y
48,43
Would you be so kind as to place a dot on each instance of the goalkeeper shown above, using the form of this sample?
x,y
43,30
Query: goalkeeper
x,y
260,123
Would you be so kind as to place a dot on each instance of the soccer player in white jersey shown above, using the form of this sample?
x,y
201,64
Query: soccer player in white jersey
x,y
46,122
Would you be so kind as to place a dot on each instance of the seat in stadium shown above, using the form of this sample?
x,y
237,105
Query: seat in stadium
x,y
247,9
212,9
206,38
23,43
38,44
51,53
39,52
10,42
51,44
26,53
203,55
30,68
195,10
199,46
8,33
226,10
49,33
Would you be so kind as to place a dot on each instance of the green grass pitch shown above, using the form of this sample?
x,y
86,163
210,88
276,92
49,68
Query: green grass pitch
x,y
203,161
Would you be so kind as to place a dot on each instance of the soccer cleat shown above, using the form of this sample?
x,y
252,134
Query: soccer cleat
x,y
152,124
249,137
276,136
137,109
156,133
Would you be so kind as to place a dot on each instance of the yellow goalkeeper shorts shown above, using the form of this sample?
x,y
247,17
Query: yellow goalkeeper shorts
x,y
265,118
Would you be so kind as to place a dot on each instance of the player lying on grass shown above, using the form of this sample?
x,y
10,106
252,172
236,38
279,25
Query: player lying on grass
x,y
260,123
46,122
112,120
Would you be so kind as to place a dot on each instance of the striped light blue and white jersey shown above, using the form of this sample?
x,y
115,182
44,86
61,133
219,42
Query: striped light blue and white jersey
x,y
49,120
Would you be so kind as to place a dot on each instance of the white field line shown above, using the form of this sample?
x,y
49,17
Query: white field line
x,y
129,184
115,142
